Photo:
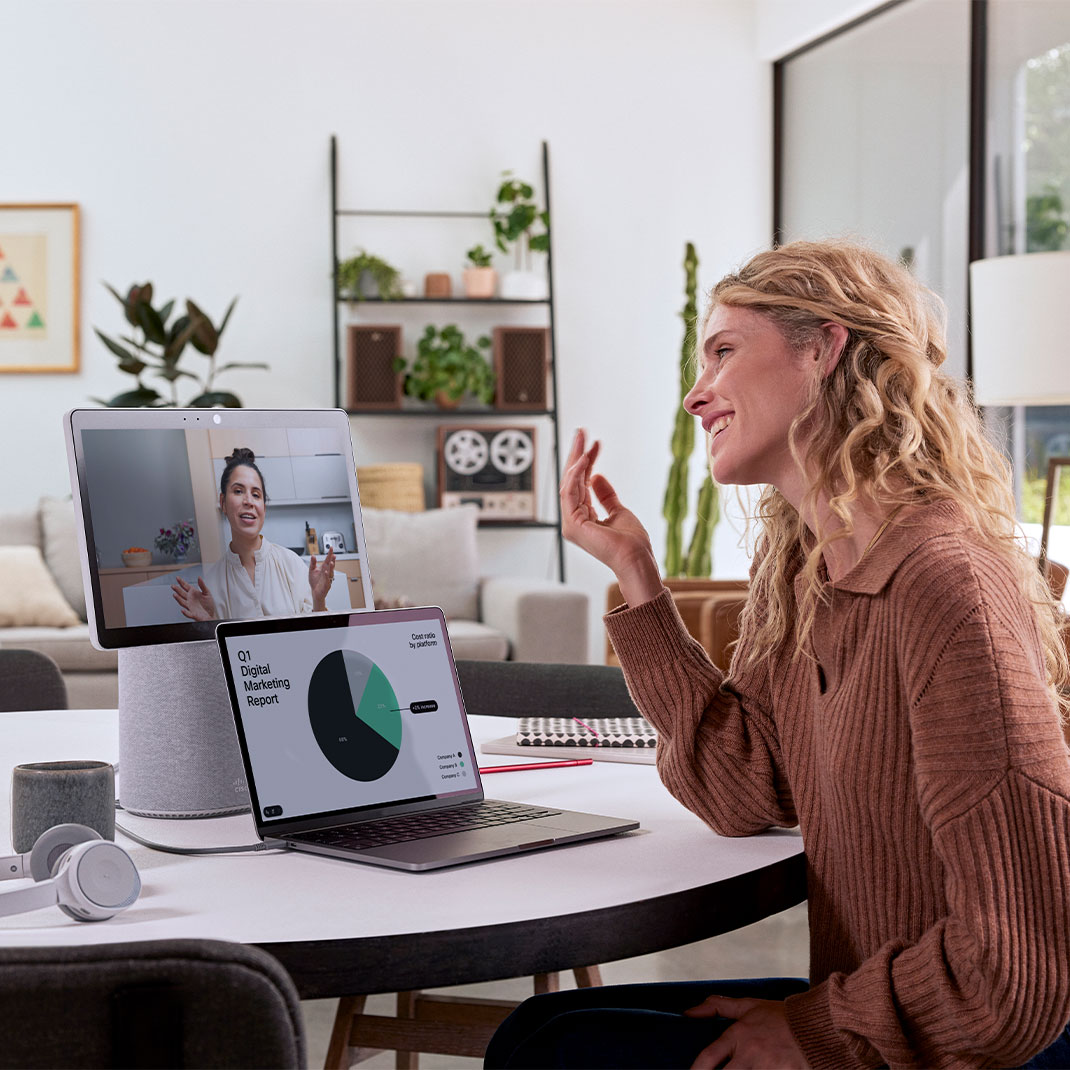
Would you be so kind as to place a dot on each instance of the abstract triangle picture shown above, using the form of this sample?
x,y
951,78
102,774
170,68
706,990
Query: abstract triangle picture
x,y
39,288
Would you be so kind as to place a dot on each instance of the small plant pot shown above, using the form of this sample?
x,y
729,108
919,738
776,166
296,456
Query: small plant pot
x,y
524,285
437,284
444,401
480,281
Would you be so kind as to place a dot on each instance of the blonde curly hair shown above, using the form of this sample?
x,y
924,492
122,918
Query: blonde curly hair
x,y
886,425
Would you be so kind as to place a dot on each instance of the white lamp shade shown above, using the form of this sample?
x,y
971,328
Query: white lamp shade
x,y
1020,329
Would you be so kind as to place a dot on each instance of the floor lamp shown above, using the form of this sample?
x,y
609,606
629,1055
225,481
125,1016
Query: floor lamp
x,y
1020,334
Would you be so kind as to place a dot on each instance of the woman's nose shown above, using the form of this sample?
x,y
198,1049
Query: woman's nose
x,y
698,397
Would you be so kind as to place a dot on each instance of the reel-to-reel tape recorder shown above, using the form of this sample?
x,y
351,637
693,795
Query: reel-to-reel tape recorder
x,y
490,466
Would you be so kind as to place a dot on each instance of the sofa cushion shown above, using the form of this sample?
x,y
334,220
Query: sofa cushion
x,y
60,544
28,594
426,558
476,642
20,528
70,648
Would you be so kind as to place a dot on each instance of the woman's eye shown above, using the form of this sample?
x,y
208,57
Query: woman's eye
x,y
720,354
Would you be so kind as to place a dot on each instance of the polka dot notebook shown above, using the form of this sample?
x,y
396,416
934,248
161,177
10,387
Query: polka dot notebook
x,y
572,732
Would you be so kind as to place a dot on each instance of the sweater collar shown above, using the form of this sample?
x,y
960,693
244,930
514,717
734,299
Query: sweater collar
x,y
903,536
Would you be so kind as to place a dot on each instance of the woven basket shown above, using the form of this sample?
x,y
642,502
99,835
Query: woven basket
x,y
392,486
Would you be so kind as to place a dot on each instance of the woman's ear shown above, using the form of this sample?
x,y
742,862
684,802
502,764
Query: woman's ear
x,y
833,343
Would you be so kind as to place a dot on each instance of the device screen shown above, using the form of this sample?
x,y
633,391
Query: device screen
x,y
158,525
342,718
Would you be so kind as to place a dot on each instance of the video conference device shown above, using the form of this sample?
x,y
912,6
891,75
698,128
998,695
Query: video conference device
x,y
136,474
355,744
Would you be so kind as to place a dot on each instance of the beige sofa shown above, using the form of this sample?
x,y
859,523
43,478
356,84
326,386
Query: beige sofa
x,y
426,558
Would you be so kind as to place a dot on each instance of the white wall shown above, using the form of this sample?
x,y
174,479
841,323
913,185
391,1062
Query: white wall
x,y
785,25
194,135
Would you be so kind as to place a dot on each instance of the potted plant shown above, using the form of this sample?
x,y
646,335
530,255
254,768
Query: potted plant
x,y
157,347
365,275
513,217
447,367
480,279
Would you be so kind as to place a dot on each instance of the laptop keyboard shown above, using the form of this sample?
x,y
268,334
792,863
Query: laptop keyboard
x,y
423,826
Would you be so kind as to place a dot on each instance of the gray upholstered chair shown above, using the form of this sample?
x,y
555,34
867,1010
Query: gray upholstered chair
x,y
158,1003
531,689
452,1025
30,680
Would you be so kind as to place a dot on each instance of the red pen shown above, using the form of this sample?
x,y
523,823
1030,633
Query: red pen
x,y
535,765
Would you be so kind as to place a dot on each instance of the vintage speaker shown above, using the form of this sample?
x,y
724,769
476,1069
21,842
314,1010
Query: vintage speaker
x,y
371,382
521,363
492,467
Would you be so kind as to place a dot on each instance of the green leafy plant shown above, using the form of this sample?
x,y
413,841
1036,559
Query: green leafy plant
x,y
478,257
447,365
156,347
354,275
699,558
514,214
1046,221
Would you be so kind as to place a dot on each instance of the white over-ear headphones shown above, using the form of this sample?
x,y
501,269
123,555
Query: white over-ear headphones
x,y
91,879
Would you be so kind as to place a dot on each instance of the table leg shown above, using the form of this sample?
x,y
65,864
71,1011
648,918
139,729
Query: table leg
x,y
338,1049
407,1060
547,982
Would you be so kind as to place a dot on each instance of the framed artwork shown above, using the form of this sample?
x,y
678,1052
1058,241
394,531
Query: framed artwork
x,y
39,288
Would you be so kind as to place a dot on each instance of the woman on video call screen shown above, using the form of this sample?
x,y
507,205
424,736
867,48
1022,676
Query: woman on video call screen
x,y
254,577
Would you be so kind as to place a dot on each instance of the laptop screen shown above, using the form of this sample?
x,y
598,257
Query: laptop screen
x,y
346,712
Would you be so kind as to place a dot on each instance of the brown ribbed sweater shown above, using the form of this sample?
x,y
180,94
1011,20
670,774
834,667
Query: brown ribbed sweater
x,y
922,757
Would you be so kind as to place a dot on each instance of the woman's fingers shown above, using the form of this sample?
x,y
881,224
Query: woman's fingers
x,y
606,495
575,486
576,448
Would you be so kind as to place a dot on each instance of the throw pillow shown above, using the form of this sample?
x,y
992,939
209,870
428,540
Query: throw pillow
x,y
29,597
428,558
61,550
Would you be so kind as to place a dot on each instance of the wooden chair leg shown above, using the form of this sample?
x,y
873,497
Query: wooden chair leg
x,y
547,982
588,976
338,1049
407,1060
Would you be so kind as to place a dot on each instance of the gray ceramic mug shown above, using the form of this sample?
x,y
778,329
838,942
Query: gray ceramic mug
x,y
44,794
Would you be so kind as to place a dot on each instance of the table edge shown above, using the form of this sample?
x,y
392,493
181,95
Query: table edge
x,y
434,959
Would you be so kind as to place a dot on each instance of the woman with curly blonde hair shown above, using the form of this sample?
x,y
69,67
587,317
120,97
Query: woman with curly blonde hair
x,y
895,693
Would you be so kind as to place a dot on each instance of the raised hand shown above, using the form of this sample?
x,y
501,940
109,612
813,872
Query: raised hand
x,y
197,602
619,540
759,1036
320,578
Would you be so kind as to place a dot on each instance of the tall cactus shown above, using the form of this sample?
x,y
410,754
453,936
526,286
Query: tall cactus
x,y
698,561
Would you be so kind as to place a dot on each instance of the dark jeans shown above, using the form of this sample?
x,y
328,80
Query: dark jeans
x,y
642,1026
620,1026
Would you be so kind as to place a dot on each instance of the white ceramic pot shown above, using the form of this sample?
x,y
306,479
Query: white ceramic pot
x,y
524,285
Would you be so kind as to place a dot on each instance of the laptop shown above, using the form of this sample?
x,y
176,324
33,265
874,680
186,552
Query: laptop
x,y
356,744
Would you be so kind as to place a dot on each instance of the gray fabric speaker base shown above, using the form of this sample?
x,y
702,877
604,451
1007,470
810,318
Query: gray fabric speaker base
x,y
178,750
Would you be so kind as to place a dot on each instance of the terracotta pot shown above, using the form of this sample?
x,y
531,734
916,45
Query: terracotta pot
x,y
480,281
437,284
444,401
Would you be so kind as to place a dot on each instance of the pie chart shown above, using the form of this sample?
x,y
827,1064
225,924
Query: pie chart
x,y
354,715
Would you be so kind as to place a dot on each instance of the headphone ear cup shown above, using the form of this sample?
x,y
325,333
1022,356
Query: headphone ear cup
x,y
54,842
95,880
